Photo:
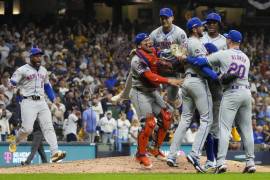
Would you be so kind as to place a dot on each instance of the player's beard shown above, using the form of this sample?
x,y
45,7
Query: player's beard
x,y
36,65
200,34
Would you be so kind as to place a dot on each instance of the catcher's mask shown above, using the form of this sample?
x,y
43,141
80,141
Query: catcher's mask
x,y
166,54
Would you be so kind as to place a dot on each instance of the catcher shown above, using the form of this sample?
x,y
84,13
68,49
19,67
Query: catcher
x,y
145,67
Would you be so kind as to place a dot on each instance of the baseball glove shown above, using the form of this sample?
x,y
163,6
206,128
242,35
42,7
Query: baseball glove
x,y
178,51
226,79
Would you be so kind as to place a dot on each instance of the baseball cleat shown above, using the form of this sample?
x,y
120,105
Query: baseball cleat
x,y
157,154
144,161
12,147
209,166
23,163
249,169
195,163
58,156
221,169
172,162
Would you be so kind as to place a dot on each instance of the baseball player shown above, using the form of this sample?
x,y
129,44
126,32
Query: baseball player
x,y
212,35
213,24
146,99
236,101
163,37
32,80
195,94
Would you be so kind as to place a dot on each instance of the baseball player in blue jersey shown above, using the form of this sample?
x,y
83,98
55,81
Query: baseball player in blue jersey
x,y
32,80
236,100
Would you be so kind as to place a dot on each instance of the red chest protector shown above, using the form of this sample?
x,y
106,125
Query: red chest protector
x,y
150,59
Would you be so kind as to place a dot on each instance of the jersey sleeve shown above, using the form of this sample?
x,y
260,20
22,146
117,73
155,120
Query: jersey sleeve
x,y
182,39
213,59
139,66
46,80
16,77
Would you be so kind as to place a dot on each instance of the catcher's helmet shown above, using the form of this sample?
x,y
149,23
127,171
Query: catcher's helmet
x,y
213,17
140,37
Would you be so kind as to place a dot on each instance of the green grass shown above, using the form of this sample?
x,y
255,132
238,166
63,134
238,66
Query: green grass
x,y
146,176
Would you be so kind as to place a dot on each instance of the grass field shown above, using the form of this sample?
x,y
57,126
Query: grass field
x,y
146,176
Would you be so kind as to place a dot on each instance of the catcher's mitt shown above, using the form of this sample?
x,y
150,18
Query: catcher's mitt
x,y
178,51
226,79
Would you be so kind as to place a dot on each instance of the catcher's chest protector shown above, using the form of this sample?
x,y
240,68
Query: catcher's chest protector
x,y
150,59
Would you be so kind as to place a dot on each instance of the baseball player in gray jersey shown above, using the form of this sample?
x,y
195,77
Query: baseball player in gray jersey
x,y
195,94
146,99
32,80
236,101
213,24
163,37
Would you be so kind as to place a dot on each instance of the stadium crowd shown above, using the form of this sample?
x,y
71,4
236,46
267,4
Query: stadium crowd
x,y
88,64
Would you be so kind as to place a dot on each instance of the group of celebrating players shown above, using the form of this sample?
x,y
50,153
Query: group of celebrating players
x,y
213,76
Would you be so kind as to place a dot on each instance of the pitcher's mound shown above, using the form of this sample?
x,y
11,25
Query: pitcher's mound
x,y
118,164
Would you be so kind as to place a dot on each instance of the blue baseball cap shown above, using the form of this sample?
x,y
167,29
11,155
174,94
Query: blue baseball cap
x,y
234,35
140,37
193,125
213,17
210,47
194,22
166,12
36,51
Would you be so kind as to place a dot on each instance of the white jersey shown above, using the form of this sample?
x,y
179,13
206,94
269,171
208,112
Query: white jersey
x,y
164,41
30,81
70,124
219,41
195,49
232,61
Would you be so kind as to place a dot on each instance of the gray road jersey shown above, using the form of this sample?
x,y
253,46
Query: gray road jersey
x,y
195,49
232,61
138,67
164,41
30,81
219,41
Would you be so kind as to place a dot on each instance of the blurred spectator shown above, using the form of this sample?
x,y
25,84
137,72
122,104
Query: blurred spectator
x,y
70,125
97,107
6,87
58,109
4,125
258,135
90,123
123,125
108,128
134,130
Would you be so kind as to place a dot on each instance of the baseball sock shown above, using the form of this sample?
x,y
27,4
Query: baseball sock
x,y
210,147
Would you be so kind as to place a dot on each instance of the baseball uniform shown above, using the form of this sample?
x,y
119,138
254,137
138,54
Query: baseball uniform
x,y
236,102
195,94
31,82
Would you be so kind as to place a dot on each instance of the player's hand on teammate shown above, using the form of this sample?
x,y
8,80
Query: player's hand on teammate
x,y
175,82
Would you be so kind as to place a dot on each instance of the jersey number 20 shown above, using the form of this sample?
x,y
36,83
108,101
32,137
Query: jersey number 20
x,y
237,69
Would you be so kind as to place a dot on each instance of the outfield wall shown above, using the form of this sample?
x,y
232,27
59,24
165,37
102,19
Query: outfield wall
x,y
85,151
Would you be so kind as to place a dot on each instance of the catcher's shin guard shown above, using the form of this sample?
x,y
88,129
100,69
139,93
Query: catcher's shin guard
x,y
164,124
145,133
